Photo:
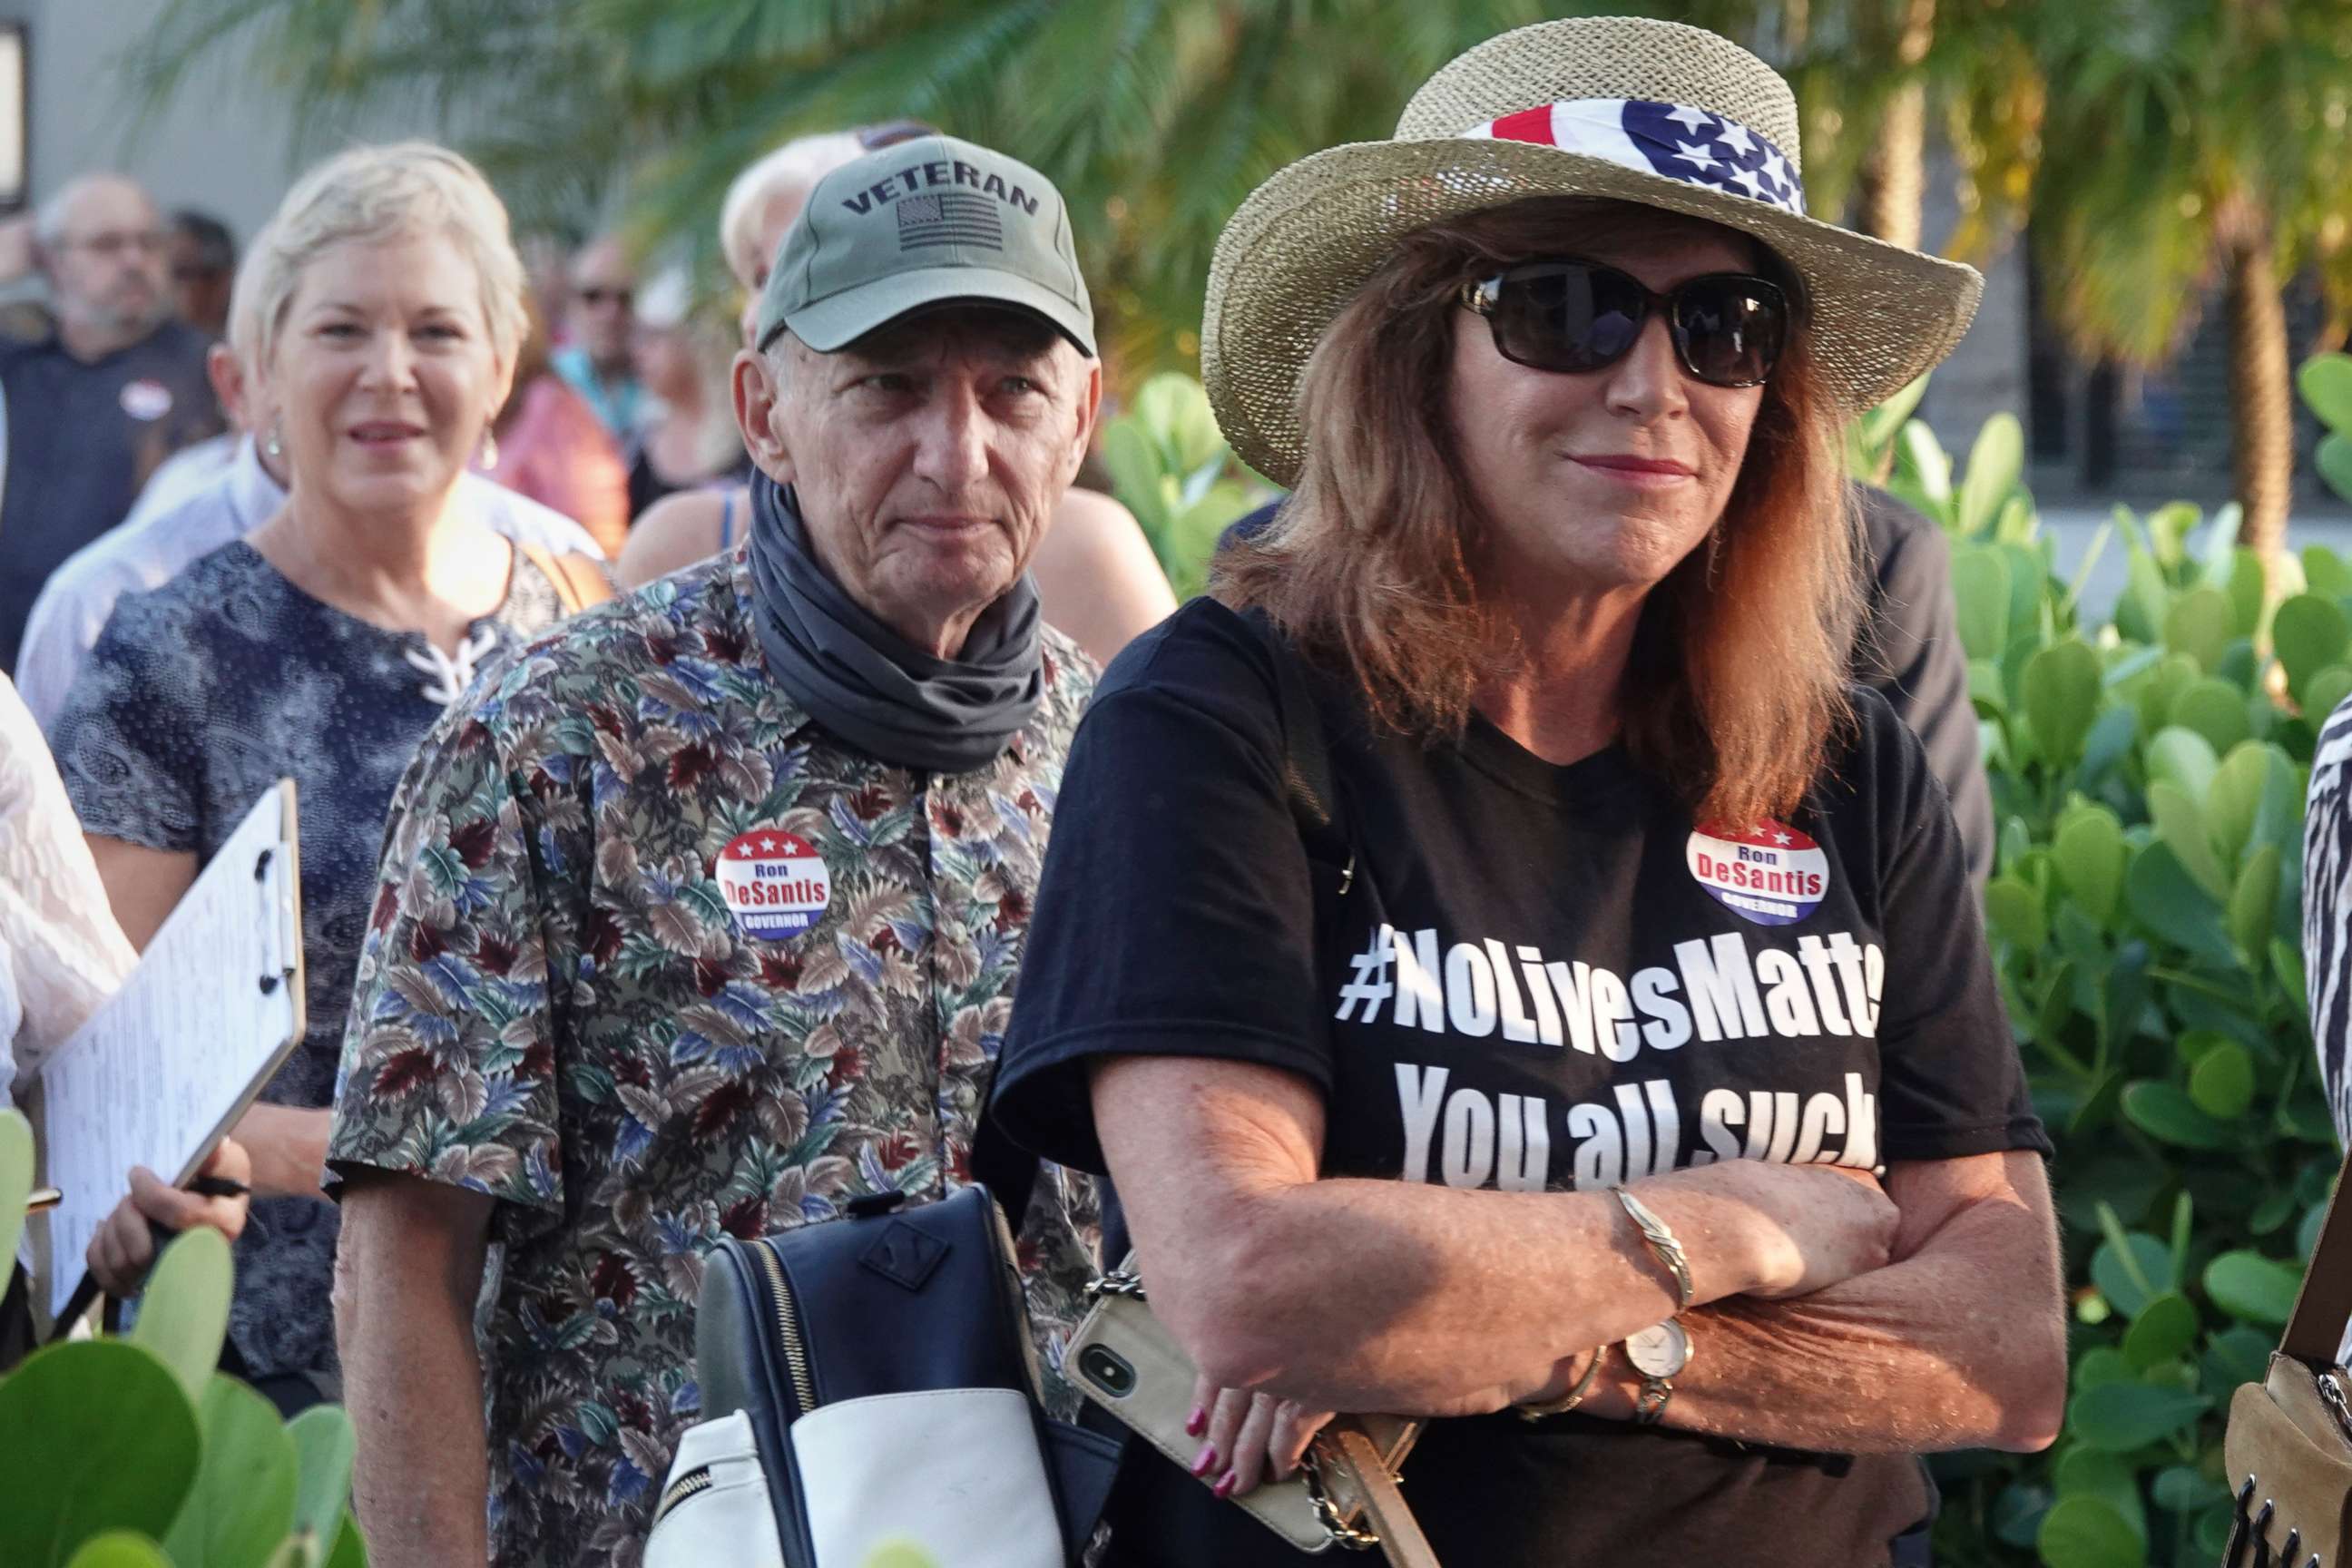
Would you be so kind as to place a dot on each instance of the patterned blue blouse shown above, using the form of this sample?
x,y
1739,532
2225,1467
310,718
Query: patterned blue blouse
x,y
198,698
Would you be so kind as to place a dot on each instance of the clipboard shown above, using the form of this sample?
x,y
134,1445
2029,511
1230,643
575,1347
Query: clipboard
x,y
168,1064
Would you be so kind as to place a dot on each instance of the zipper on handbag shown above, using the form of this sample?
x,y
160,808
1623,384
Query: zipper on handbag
x,y
788,1327
694,1481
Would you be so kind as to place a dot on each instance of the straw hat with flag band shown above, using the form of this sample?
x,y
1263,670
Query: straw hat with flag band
x,y
1656,113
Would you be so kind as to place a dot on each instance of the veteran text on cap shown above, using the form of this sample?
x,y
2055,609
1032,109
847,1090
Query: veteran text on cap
x,y
918,226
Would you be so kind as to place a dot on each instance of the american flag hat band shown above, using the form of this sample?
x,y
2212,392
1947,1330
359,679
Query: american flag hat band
x,y
1679,141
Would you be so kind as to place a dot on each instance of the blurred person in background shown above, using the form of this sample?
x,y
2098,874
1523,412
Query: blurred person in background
x,y
95,406
549,445
688,439
167,531
599,354
204,265
389,308
1097,576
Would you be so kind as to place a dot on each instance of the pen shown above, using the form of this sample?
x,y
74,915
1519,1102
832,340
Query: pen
x,y
43,1198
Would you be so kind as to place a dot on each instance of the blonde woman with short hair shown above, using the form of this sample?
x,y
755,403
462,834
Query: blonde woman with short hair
x,y
388,304
1598,1056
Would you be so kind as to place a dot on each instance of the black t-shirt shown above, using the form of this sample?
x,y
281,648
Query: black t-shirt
x,y
1541,976
82,438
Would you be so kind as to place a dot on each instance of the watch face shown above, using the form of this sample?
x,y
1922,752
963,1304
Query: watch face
x,y
1660,1350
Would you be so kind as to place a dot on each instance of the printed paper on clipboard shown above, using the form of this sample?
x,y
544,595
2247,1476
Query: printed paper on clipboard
x,y
166,1066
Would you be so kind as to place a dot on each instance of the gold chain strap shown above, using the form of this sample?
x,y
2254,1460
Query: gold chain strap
x,y
1326,1513
1119,1282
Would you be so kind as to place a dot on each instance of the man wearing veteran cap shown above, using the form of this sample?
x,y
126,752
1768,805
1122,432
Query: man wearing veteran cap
x,y
1620,1081
702,917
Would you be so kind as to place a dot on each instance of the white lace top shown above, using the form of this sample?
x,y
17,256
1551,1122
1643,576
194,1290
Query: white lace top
x,y
60,951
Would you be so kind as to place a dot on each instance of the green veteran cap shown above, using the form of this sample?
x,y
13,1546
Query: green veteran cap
x,y
916,225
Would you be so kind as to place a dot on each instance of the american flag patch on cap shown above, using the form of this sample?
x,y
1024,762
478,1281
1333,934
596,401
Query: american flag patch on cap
x,y
949,218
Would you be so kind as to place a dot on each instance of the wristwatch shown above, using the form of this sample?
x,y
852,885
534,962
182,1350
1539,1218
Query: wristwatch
x,y
1659,1354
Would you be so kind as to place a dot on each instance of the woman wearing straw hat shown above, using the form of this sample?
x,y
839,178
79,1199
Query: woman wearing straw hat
x,y
1619,1076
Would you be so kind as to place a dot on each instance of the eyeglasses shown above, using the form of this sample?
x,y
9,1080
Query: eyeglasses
x,y
1570,317
116,242
595,294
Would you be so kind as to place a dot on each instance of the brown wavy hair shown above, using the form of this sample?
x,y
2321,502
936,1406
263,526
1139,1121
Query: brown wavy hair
x,y
1734,686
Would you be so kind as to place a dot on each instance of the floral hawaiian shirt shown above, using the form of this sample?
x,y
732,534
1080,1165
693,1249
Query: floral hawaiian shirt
x,y
579,995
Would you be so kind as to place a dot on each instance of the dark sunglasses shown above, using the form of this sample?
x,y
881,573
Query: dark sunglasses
x,y
1570,317
595,294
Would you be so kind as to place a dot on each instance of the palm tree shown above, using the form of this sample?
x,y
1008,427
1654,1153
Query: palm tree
x,y
1155,117
2188,139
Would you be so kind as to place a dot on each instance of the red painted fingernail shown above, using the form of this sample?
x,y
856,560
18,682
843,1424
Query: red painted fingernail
x,y
1224,1487
1206,1460
1194,1422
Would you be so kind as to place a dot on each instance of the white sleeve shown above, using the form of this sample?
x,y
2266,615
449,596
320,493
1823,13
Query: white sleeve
x,y
55,926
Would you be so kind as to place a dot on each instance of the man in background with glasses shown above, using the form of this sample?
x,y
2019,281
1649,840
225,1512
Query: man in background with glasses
x,y
601,324
116,387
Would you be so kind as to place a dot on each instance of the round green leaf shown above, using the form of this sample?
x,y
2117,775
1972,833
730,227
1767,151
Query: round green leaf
x,y
2132,1285
2309,633
2018,1511
242,1506
323,1444
2181,1488
1995,463
2087,1472
2181,825
2252,902
2161,1110
2184,758
2084,1532
2168,901
2324,692
2121,1417
2061,689
2248,1285
2235,799
2199,625
2165,1328
1981,599
2215,709
2235,1355
2222,1084
184,1310
2014,910
2326,572
2334,459
2102,1366
2325,381
118,1449
122,1548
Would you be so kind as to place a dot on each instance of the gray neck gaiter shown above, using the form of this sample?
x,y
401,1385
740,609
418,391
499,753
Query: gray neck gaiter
x,y
868,685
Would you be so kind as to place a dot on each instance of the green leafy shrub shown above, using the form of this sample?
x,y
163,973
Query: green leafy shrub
x,y
2145,915
135,1453
1171,467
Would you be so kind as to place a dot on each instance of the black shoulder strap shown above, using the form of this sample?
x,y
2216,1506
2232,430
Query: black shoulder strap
x,y
1007,1170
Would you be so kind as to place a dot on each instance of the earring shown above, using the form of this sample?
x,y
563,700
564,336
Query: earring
x,y
488,458
273,445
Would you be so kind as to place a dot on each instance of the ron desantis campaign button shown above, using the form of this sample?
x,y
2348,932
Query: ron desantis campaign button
x,y
776,884
1770,874
146,401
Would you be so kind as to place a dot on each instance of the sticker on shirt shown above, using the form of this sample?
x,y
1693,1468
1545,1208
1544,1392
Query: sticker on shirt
x,y
146,401
1769,873
775,884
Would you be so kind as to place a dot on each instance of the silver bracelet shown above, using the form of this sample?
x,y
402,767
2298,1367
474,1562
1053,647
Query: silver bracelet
x,y
1663,1243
